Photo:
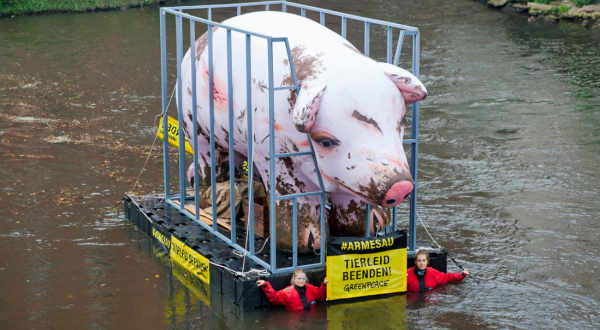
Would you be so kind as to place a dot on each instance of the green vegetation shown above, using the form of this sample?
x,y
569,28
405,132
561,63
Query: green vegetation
x,y
545,2
564,9
12,7
581,3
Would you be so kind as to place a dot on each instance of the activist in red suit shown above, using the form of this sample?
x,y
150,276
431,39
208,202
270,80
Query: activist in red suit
x,y
297,297
421,277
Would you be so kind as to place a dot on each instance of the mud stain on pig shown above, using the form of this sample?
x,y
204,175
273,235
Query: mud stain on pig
x,y
307,67
262,86
352,48
226,135
400,79
345,220
199,129
367,120
202,43
309,235
400,127
374,191
242,115
350,219
185,129
289,165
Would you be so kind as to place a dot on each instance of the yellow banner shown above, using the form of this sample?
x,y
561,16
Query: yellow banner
x,y
371,266
193,283
173,134
161,238
190,260
389,313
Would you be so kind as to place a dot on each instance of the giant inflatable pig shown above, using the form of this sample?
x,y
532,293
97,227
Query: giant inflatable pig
x,y
351,106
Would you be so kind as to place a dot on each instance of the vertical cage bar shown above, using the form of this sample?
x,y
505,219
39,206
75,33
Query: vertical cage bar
x,y
303,12
319,177
322,18
211,107
367,38
368,226
194,117
295,233
323,230
399,47
414,152
395,217
283,7
388,227
272,158
210,14
344,22
267,7
165,101
389,44
182,172
250,145
231,147
239,10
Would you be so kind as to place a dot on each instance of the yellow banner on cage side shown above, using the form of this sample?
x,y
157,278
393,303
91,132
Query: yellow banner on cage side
x,y
191,260
358,267
173,134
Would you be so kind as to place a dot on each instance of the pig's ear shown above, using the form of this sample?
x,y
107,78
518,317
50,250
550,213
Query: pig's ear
x,y
307,105
411,87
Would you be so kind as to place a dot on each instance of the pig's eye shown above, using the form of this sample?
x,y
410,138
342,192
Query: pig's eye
x,y
327,143
325,139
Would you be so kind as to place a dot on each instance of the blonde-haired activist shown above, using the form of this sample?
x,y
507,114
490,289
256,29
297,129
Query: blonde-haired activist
x,y
297,297
421,278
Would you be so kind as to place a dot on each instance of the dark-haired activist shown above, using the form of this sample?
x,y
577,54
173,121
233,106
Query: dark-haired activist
x,y
421,277
297,297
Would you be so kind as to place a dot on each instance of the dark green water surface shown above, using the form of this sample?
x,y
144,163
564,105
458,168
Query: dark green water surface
x,y
509,174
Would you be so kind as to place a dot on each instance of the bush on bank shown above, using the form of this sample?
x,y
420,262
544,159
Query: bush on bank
x,y
581,3
587,10
15,7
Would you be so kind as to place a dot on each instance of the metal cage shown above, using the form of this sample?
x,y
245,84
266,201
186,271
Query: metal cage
x,y
179,14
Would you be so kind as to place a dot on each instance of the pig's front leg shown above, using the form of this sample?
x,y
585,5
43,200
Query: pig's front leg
x,y
290,180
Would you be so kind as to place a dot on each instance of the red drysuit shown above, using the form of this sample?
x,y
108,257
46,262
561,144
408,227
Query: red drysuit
x,y
291,298
433,278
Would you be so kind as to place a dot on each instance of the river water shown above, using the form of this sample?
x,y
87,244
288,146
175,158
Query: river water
x,y
509,174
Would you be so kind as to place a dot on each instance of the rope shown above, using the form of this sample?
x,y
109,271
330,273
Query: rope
x,y
444,250
259,272
424,227
264,245
153,142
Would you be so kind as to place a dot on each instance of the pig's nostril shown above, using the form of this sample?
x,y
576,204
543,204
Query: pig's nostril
x,y
405,197
390,201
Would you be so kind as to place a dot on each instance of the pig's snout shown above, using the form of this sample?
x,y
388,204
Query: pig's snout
x,y
397,193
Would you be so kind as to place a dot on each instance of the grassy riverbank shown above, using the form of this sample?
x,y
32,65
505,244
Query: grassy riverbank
x,y
19,7
587,11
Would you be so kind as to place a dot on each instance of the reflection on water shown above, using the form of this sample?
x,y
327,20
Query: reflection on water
x,y
510,154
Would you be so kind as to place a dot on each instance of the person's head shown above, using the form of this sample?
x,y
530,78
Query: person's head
x,y
299,278
421,258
